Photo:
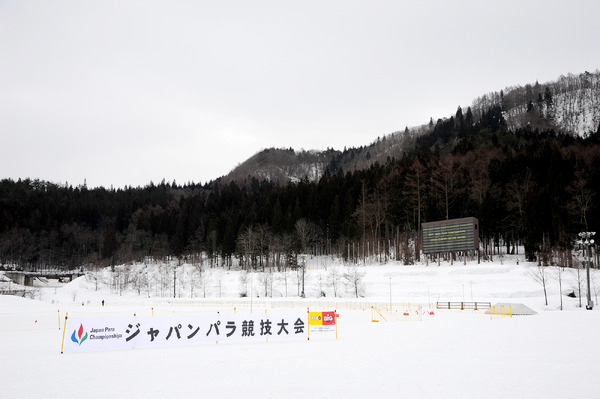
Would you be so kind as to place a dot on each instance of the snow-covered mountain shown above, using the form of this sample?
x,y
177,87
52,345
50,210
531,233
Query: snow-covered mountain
x,y
570,104
283,165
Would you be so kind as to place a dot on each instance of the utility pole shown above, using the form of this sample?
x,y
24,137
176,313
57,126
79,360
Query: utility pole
x,y
174,281
585,239
390,293
303,271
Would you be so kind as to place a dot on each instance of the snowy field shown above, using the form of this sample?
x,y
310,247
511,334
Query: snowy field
x,y
450,354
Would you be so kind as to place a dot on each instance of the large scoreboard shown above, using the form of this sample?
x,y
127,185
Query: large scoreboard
x,y
450,235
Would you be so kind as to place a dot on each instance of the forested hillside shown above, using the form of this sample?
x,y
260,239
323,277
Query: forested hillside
x,y
571,104
538,187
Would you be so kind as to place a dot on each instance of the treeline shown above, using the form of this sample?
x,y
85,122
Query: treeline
x,y
535,188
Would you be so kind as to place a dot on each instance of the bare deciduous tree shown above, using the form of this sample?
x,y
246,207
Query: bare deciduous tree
x,y
581,198
415,189
306,232
353,277
244,283
445,180
247,244
334,274
539,274
578,281
559,273
266,280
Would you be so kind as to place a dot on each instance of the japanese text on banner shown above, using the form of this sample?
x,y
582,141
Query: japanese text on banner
x,y
146,331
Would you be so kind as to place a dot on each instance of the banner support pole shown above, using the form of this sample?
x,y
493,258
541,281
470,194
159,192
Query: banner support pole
x,y
335,321
308,325
62,347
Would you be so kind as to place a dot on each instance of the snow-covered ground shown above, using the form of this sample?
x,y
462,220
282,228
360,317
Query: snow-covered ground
x,y
450,354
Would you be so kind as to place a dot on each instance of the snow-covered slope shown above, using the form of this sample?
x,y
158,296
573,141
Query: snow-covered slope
x,y
569,104
325,279
449,354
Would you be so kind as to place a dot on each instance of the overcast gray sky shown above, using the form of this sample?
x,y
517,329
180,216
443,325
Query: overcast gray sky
x,y
127,92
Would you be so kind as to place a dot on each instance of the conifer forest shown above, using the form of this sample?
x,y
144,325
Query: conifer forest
x,y
529,184
531,188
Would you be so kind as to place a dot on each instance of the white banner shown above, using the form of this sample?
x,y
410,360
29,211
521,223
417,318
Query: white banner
x,y
102,333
